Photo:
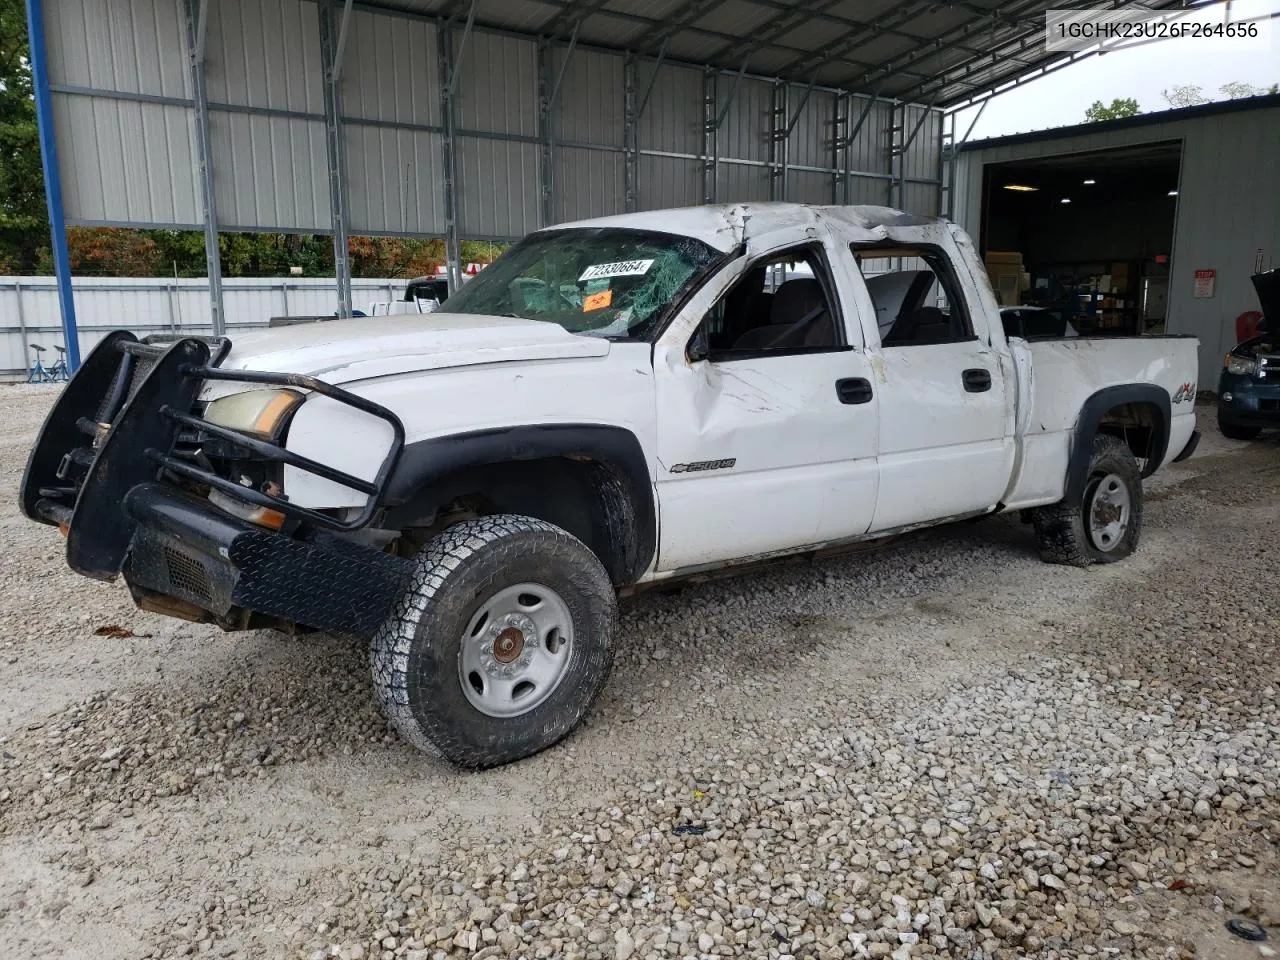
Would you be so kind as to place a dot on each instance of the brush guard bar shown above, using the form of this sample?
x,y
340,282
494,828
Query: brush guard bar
x,y
125,420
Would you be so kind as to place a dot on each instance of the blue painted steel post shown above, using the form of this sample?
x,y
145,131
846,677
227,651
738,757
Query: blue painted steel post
x,y
52,180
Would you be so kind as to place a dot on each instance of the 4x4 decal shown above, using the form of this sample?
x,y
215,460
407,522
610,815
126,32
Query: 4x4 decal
x,y
1185,393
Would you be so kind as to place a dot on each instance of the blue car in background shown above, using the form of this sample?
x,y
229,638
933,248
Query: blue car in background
x,y
1249,388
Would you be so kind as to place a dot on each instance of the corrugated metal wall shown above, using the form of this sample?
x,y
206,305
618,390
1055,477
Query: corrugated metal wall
x,y
1228,211
125,117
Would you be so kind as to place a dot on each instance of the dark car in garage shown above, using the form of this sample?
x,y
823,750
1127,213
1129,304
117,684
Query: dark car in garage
x,y
1249,387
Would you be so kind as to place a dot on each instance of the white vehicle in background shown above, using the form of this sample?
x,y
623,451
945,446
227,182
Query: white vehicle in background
x,y
610,404
421,295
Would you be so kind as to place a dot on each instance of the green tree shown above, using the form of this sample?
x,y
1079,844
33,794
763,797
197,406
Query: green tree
x,y
1238,91
1120,107
1184,95
24,224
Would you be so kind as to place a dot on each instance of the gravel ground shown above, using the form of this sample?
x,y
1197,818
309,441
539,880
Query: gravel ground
x,y
941,748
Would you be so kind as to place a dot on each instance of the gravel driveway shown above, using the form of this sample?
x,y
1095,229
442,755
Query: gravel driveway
x,y
940,748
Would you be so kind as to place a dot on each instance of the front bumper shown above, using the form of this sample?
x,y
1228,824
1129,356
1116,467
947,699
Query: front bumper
x,y
191,560
118,468
1254,403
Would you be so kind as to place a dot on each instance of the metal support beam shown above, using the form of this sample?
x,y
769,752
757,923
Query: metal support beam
x,y
52,181
341,45
939,210
197,14
546,173
804,101
853,136
778,141
462,49
630,135
710,135
335,151
202,25
449,155
653,79
976,117
683,16
548,94
733,90
951,153
1028,35
573,42
839,139
897,158
915,131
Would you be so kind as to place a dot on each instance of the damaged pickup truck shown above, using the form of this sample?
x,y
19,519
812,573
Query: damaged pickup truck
x,y
612,403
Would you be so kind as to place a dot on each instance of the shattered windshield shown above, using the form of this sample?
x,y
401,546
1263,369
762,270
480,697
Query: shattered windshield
x,y
601,282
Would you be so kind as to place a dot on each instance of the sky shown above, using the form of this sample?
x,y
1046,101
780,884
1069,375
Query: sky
x,y
1061,98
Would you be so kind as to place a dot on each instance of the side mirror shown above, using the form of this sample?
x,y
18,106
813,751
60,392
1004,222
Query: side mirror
x,y
699,348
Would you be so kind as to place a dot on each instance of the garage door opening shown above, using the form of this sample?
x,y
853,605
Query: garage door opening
x,y
1081,243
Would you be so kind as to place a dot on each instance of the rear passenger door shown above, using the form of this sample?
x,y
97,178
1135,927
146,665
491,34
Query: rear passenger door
x,y
946,442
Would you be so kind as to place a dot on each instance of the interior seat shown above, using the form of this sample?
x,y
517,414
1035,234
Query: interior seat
x,y
798,317
922,325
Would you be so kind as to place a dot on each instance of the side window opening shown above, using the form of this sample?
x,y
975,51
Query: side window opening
x,y
916,297
781,304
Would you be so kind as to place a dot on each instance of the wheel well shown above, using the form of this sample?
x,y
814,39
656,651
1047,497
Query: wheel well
x,y
1139,413
587,497
1140,425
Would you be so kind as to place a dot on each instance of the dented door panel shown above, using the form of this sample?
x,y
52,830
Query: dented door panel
x,y
760,455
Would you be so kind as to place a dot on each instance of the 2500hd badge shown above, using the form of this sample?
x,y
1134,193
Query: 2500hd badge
x,y
699,465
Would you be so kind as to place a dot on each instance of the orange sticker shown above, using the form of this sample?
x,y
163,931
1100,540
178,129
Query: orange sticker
x,y
597,301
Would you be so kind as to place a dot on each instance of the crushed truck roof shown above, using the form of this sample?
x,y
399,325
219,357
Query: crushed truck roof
x,y
721,225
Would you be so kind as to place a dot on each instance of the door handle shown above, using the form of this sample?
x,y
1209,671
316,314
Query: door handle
x,y
854,390
977,380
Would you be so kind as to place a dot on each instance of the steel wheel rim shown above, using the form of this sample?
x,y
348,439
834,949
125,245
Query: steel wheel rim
x,y
516,650
1107,510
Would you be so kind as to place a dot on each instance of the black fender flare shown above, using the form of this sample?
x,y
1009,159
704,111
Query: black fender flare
x,y
426,461
1095,408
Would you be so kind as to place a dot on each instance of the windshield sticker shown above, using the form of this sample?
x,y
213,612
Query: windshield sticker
x,y
623,268
597,301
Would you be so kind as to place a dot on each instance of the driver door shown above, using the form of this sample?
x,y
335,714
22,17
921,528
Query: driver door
x,y
766,415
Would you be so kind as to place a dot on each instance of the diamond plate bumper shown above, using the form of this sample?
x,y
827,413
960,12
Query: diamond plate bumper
x,y
189,559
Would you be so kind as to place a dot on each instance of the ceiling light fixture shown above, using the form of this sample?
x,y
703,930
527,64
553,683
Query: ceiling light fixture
x,y
1090,183
1172,193
1020,187
1065,200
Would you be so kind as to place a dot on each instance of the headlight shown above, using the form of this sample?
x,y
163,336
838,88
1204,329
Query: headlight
x,y
1241,365
259,412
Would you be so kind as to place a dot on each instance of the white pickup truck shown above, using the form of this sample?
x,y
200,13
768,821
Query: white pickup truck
x,y
611,404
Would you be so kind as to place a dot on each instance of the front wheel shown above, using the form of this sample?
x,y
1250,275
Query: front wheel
x,y
1104,525
500,643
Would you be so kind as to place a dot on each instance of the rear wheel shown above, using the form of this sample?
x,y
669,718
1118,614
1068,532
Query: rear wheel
x,y
1235,431
500,643
1104,525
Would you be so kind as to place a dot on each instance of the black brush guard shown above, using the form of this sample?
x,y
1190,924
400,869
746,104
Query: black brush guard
x,y
108,469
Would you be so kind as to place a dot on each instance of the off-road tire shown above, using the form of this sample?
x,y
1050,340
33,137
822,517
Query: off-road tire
x,y
415,653
1235,431
1060,528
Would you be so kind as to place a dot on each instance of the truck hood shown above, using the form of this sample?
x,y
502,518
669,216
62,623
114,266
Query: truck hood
x,y
343,351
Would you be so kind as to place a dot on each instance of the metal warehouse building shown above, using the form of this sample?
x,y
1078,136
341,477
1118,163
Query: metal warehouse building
x,y
485,119
1187,200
